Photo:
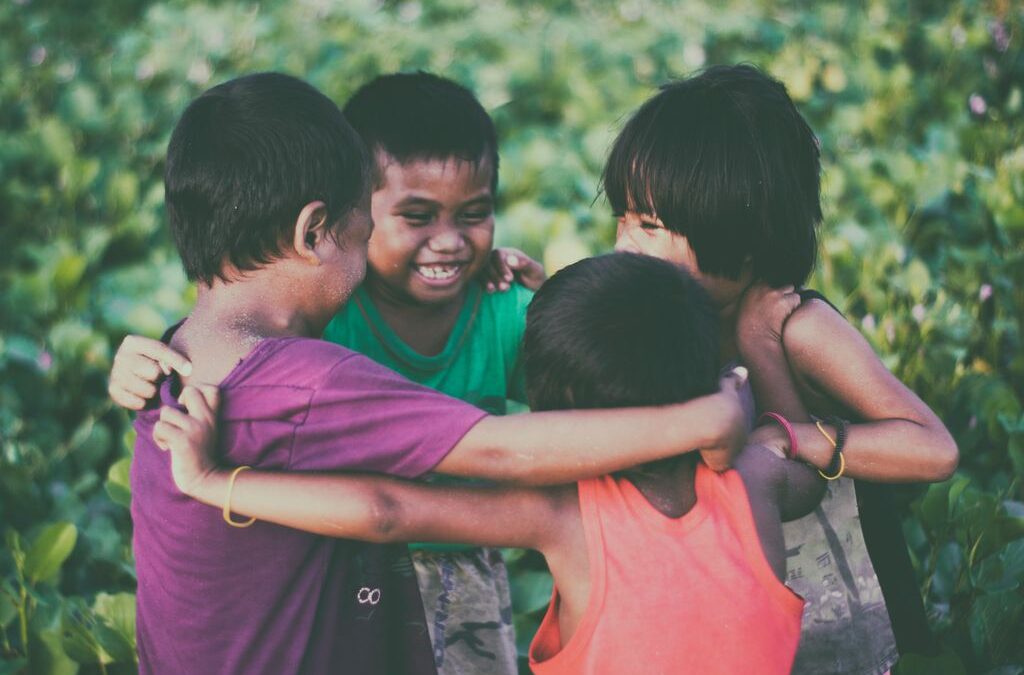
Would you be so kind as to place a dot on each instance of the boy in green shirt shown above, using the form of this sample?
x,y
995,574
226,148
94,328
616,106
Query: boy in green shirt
x,y
424,312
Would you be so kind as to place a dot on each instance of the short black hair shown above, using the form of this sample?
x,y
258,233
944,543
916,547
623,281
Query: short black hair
x,y
245,158
619,330
420,116
725,159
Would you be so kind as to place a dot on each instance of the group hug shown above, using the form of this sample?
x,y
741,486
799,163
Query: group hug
x,y
324,475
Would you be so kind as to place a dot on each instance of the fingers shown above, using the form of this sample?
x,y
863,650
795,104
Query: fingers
x,y
735,378
154,350
126,399
198,405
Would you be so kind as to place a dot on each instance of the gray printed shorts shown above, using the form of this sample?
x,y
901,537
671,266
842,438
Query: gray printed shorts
x,y
469,610
846,626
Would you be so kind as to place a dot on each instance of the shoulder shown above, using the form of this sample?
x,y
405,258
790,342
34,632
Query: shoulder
x,y
759,467
298,361
510,304
814,327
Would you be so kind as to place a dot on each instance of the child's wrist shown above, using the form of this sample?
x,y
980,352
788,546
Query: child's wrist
x,y
210,488
813,449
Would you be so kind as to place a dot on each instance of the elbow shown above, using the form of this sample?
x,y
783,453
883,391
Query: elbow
x,y
941,460
385,519
947,458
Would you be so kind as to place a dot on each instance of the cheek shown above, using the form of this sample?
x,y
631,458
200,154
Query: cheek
x,y
391,249
482,240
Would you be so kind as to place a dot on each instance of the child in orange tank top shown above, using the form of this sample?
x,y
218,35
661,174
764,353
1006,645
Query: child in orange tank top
x,y
665,568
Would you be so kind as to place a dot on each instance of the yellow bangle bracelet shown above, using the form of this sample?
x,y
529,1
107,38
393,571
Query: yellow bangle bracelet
x,y
839,474
227,500
824,433
842,460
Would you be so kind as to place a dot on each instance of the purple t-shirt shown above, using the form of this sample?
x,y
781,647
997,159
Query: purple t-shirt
x,y
268,599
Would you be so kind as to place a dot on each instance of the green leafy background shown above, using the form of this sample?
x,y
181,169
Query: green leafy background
x,y
918,106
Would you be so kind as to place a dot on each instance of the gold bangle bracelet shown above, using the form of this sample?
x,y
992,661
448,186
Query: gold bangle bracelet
x,y
842,460
824,433
839,474
227,500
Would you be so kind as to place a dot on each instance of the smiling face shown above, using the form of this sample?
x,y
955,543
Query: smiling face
x,y
434,228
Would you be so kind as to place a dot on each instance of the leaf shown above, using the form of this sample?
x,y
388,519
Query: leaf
x,y
945,663
76,635
531,591
118,483
117,612
995,624
12,667
49,551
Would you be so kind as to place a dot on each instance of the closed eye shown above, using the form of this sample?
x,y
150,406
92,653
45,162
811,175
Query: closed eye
x,y
417,217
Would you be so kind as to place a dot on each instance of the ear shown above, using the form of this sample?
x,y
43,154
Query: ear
x,y
310,229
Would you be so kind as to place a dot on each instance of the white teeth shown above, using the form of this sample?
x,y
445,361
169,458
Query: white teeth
x,y
438,272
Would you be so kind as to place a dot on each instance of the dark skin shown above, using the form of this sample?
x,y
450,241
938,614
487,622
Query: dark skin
x,y
897,438
386,510
545,519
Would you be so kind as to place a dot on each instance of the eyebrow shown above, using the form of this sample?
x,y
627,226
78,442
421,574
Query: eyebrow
x,y
417,200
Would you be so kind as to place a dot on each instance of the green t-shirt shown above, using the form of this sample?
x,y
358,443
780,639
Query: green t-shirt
x,y
479,363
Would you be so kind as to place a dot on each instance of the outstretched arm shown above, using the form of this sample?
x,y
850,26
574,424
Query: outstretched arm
x,y
901,439
564,446
365,507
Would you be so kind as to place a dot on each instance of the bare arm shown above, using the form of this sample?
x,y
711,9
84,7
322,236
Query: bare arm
x,y
379,509
901,439
565,446
792,487
352,506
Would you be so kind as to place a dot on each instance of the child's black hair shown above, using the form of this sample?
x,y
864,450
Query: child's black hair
x,y
619,330
245,158
412,116
725,159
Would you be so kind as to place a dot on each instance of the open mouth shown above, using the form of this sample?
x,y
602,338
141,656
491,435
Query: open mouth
x,y
440,273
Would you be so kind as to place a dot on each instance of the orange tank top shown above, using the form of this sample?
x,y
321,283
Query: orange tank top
x,y
693,594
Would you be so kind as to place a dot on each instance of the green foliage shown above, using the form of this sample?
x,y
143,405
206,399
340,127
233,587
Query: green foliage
x,y
918,106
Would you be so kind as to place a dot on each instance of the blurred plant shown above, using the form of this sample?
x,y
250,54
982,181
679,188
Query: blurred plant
x,y
918,107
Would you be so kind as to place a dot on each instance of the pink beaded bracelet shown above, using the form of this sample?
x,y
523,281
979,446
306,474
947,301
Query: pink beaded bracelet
x,y
784,423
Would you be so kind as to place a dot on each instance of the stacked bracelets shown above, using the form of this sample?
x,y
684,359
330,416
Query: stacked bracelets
x,y
837,465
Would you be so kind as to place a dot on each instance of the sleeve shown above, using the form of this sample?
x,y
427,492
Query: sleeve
x,y
515,320
365,417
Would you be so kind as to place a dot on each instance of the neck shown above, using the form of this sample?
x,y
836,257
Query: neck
x,y
255,308
668,485
727,350
424,327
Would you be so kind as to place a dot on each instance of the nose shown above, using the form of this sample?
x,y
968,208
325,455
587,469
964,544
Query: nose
x,y
446,238
623,242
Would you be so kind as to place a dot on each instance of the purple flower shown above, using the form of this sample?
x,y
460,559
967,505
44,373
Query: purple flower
x,y
1000,36
917,311
977,104
985,292
44,360
868,323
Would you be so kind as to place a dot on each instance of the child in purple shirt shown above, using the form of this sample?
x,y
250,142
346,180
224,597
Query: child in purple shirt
x,y
267,200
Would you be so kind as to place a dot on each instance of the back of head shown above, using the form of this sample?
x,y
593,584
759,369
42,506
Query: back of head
x,y
244,159
725,159
419,116
619,330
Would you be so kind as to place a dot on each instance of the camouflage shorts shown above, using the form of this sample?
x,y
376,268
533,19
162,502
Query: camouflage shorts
x,y
846,628
469,611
